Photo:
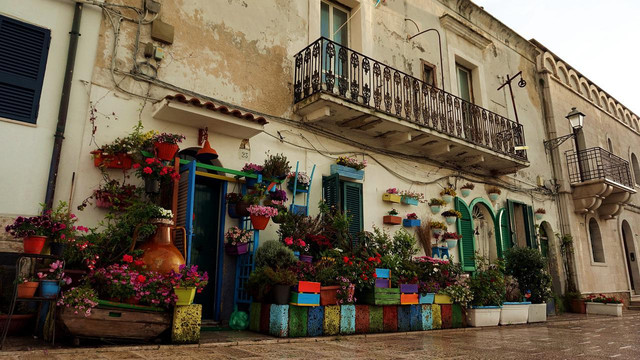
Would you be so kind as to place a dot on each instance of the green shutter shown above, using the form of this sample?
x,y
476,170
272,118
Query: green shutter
x,y
466,245
352,206
530,228
331,190
512,223
504,229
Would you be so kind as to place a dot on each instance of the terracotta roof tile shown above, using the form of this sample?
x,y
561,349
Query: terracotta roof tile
x,y
222,108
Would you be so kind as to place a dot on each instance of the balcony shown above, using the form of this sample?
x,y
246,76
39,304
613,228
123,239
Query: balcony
x,y
345,92
601,182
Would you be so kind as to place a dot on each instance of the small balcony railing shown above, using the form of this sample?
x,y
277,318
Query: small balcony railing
x,y
328,67
598,163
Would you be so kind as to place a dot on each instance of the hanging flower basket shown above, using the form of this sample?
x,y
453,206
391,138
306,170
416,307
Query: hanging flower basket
x,y
465,192
237,249
435,209
165,151
494,196
393,198
112,161
260,215
259,222
409,200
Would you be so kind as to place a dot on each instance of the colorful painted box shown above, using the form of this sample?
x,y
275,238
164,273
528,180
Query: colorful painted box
x,y
376,316
411,222
298,321
394,198
331,320
315,321
383,273
445,314
347,319
426,320
347,172
383,296
409,288
442,299
409,200
390,318
409,299
308,287
303,299
279,320
362,319
392,220
383,283
427,298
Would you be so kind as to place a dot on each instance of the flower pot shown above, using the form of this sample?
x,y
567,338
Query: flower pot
x,y
237,249
165,151
346,172
250,182
578,306
393,198
539,216
306,258
392,220
604,309
27,290
33,244
514,313
427,298
537,313
409,200
259,222
411,222
299,209
328,295
494,196
409,288
185,295
296,254
447,198
434,209
103,203
49,288
19,325
451,243
479,316
280,294
442,299
57,249
112,161
437,232
232,212
151,185
242,208
465,192
450,219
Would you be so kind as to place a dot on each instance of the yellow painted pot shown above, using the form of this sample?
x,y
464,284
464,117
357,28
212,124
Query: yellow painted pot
x,y
185,295
442,299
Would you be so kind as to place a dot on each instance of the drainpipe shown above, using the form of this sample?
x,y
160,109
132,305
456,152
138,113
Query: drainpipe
x,y
564,200
64,105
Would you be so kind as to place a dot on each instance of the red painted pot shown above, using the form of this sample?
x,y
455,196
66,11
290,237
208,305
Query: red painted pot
x,y
328,295
165,151
259,222
33,244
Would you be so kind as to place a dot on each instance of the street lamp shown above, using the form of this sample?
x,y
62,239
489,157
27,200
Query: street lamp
x,y
576,119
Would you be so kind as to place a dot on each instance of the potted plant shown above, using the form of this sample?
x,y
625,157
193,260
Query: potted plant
x,y
301,182
232,201
514,310
349,167
299,248
392,195
437,227
604,305
451,239
186,282
533,277
118,153
281,216
456,293
260,215
451,216
411,220
411,197
113,195
34,231
494,193
153,172
435,204
327,275
281,281
448,194
27,286
392,218
575,302
276,167
81,300
540,213
50,280
63,229
466,189
254,169
237,241
165,145
488,288
428,290
276,198
253,197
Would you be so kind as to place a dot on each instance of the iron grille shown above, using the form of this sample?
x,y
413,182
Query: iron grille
x,y
598,163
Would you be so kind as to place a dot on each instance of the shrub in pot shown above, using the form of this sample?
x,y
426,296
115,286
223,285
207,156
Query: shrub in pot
x,y
274,254
466,189
489,292
604,305
281,281
494,193
276,167
514,310
435,204
448,194
451,216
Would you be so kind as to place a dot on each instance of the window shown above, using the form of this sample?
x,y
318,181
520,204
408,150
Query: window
x,y
333,23
596,241
610,145
636,168
465,87
521,224
23,56
429,73
347,197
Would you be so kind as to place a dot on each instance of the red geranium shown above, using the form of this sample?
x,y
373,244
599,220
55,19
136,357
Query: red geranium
x,y
127,258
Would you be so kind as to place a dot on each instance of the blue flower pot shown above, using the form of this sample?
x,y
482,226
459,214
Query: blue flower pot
x,y
435,209
297,254
49,288
465,192
251,182
231,210
409,200
411,222
494,196
347,172
299,209
450,219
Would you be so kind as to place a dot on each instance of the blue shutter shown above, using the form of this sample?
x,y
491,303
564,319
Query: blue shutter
x,y
23,56
466,245
503,228
352,206
331,190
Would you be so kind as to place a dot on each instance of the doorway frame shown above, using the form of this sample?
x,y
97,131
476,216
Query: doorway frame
x,y
633,272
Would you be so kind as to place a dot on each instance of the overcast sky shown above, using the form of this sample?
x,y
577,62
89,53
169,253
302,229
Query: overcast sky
x,y
598,38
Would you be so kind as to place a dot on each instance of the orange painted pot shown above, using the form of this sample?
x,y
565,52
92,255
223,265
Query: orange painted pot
x,y
28,289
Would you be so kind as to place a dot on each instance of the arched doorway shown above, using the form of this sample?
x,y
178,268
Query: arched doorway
x,y
630,255
484,231
546,236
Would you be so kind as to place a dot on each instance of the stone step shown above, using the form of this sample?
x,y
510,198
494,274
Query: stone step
x,y
634,307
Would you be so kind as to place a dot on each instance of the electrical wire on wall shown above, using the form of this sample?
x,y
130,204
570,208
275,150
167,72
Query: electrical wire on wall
x,y
115,17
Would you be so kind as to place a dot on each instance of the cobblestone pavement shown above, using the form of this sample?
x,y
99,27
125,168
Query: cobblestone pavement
x,y
569,338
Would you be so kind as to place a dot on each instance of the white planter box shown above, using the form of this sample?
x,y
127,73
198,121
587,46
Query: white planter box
x,y
514,313
604,309
537,313
483,316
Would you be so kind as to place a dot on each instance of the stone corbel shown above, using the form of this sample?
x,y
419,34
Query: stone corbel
x,y
587,198
613,205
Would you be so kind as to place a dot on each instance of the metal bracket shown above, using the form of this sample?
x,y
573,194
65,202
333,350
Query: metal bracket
x,y
554,143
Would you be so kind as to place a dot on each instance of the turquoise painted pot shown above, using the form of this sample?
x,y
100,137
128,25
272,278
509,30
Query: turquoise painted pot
x,y
49,288
447,198
450,219
465,192
435,208
494,196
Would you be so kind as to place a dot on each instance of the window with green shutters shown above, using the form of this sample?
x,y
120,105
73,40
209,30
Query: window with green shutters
x,y
23,56
518,234
504,229
347,196
466,245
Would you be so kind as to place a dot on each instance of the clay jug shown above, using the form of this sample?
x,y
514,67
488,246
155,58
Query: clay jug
x,y
160,254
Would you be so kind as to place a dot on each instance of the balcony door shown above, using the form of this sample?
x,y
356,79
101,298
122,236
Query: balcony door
x,y
334,26
465,91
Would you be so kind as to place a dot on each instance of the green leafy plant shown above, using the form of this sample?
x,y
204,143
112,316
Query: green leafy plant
x,y
276,166
487,284
436,202
448,191
460,293
274,254
528,266
393,212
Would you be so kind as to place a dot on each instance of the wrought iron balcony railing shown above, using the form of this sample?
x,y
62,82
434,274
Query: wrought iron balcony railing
x,y
598,163
328,67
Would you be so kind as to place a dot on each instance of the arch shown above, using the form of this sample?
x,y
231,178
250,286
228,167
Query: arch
x,y
631,259
563,74
573,80
603,101
483,234
635,124
584,88
486,203
636,168
612,106
549,63
595,238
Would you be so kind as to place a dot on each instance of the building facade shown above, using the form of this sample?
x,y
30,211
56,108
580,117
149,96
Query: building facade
x,y
314,80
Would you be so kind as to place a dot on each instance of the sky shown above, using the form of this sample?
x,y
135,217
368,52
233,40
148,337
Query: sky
x,y
598,38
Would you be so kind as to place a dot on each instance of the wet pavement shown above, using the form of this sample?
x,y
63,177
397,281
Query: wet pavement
x,y
569,336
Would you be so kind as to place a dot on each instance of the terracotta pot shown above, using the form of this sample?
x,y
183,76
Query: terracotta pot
x,y
328,295
165,151
33,244
159,252
242,208
280,294
259,222
578,306
27,290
